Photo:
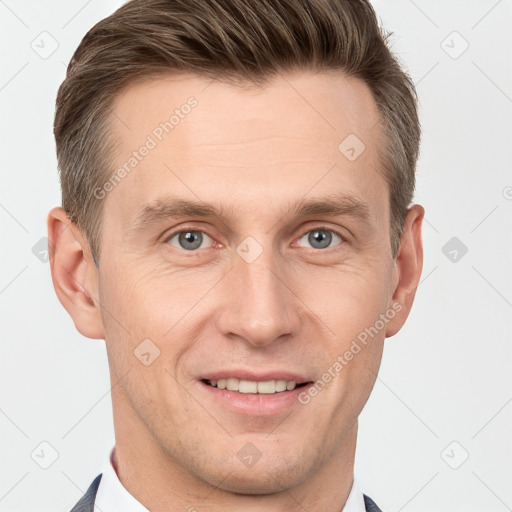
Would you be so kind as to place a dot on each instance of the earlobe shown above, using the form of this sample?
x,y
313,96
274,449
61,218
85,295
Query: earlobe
x,y
408,267
74,274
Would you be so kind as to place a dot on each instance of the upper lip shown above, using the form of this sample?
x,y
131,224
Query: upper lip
x,y
254,376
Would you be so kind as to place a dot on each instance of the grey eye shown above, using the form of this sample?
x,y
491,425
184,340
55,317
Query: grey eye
x,y
321,238
188,240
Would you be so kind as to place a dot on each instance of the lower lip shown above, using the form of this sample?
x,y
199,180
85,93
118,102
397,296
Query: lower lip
x,y
252,404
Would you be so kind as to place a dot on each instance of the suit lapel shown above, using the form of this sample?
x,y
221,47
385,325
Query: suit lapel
x,y
86,503
370,505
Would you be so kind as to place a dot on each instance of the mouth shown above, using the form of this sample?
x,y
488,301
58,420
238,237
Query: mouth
x,y
266,387
249,394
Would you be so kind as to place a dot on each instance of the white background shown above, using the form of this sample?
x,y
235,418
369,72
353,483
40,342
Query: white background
x,y
445,377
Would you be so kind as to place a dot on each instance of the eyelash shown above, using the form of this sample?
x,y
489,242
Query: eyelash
x,y
309,230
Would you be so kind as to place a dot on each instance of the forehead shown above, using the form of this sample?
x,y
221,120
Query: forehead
x,y
211,141
293,103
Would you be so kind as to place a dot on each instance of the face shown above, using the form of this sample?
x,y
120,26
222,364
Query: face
x,y
243,252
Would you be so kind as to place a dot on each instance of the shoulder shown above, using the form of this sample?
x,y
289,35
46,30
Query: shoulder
x,y
86,502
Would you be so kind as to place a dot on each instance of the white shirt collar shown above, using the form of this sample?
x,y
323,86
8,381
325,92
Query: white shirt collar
x,y
113,497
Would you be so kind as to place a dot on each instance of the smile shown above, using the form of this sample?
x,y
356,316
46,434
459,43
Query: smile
x,y
267,387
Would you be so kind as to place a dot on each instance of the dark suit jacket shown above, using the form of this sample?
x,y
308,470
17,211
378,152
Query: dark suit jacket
x,y
86,503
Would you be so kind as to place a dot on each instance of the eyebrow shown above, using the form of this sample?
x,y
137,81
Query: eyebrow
x,y
171,207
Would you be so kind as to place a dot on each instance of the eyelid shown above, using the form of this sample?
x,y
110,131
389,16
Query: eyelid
x,y
172,234
318,227
322,228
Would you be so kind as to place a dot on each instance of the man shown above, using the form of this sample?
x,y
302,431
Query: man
x,y
237,226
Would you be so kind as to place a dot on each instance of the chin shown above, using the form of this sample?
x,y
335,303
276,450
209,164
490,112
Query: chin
x,y
268,475
265,480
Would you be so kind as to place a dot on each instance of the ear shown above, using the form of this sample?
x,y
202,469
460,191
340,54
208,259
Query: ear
x,y
407,269
74,274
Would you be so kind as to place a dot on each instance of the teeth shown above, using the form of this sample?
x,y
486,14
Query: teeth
x,y
280,385
247,386
267,387
232,384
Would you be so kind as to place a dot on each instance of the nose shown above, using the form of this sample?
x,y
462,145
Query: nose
x,y
261,307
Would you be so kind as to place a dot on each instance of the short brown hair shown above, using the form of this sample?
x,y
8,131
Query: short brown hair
x,y
237,41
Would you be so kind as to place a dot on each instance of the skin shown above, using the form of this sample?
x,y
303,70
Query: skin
x,y
296,307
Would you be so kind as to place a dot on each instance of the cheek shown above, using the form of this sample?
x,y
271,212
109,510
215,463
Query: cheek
x,y
151,311
148,301
348,298
352,308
